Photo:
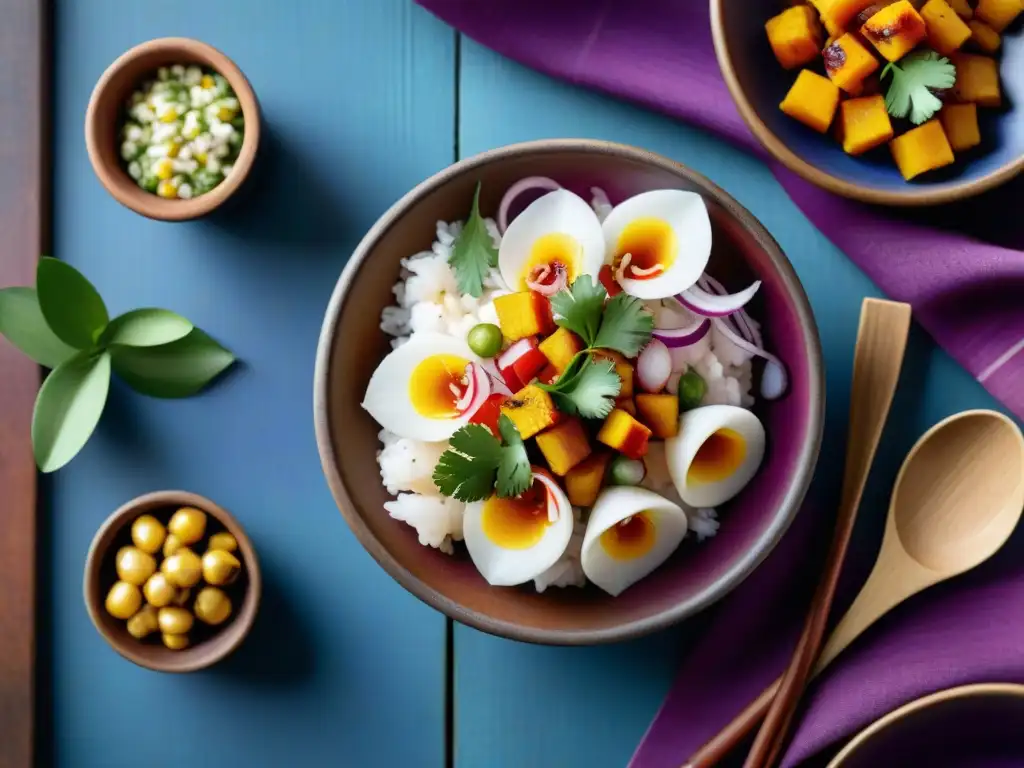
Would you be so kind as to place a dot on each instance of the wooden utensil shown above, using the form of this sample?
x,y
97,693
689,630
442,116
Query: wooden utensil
x,y
957,499
877,360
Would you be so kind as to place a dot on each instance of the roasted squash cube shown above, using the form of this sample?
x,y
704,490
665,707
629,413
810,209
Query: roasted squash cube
x,y
960,121
812,100
998,14
921,149
625,434
560,348
837,14
531,410
583,482
977,80
848,63
564,445
895,30
946,30
622,367
865,124
984,37
962,7
795,36
660,413
523,314
628,404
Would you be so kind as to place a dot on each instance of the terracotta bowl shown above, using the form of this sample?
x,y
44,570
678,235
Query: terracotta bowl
x,y
352,344
103,119
212,643
758,84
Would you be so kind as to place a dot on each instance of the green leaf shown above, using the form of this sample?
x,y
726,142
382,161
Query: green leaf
x,y
466,471
514,472
70,303
473,252
68,408
626,327
179,369
146,328
592,391
23,324
912,83
579,308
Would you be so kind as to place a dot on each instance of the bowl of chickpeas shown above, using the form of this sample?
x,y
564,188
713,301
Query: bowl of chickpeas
x,y
172,582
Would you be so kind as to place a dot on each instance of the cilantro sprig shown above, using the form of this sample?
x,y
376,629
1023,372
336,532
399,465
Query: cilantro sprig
x,y
913,82
588,387
477,463
473,252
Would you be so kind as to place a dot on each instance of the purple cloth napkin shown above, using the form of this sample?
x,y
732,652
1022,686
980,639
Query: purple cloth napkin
x,y
966,292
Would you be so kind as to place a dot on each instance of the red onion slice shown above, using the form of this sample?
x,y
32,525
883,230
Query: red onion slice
x,y
555,497
497,383
684,337
744,324
514,352
477,390
774,380
701,302
523,185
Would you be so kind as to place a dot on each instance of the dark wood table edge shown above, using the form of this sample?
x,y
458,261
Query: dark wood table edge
x,y
25,170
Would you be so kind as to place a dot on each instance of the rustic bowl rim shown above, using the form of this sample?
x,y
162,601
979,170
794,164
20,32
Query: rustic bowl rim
x,y
195,657
117,182
912,196
725,583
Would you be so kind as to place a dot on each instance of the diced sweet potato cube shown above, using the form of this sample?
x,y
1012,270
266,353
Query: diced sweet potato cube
x,y
977,80
895,30
865,124
531,410
627,404
984,37
946,31
523,314
960,121
564,445
584,481
625,434
837,14
812,100
921,149
998,14
962,7
660,413
847,63
560,348
622,367
795,36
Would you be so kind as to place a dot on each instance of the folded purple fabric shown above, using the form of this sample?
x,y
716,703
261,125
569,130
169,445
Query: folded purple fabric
x,y
965,291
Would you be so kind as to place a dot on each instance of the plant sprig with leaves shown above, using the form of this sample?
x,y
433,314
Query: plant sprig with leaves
x,y
473,253
477,464
914,81
63,324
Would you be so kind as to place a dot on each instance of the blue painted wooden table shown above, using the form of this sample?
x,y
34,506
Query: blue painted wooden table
x,y
361,100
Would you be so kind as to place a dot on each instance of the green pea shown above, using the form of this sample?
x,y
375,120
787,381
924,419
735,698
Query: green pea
x,y
485,339
692,389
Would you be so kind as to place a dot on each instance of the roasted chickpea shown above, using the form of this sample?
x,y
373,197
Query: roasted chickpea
x,y
220,567
134,565
123,600
181,597
171,545
212,606
174,620
183,568
223,541
158,590
176,642
188,524
143,623
148,534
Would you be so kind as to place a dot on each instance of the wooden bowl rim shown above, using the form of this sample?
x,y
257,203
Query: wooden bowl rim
x,y
194,657
117,182
912,196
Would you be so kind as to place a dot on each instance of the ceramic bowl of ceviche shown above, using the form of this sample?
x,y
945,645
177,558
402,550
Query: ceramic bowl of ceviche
x,y
568,392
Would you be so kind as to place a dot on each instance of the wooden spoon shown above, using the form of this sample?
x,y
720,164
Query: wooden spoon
x,y
957,498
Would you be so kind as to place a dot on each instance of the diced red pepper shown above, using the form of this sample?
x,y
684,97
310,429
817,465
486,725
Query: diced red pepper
x,y
520,363
607,278
488,412
530,364
549,375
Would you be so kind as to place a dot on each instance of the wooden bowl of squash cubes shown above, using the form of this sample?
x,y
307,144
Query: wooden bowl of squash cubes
x,y
892,102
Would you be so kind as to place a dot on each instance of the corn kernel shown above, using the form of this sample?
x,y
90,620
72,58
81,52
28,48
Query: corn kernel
x,y
167,190
163,169
200,157
173,148
225,114
169,116
207,81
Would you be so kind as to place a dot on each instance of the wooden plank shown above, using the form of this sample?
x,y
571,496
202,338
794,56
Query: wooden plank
x,y
24,200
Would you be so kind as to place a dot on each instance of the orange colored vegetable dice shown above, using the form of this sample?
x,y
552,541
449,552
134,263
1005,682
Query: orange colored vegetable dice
x,y
837,14
984,37
865,124
795,36
660,413
531,410
960,121
977,80
812,100
560,348
627,404
946,30
962,7
622,367
625,434
564,445
998,14
523,314
895,30
921,149
583,482
848,63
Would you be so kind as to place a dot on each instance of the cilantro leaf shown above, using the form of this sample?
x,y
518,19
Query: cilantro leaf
x,y
913,81
626,327
579,307
589,390
468,468
473,252
514,472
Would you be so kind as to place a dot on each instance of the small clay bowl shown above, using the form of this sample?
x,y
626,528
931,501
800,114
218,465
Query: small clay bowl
x,y
105,113
211,643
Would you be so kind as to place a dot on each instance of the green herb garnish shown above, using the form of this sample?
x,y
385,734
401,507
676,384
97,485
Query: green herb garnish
x,y
579,308
588,387
514,472
473,252
914,79
477,460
